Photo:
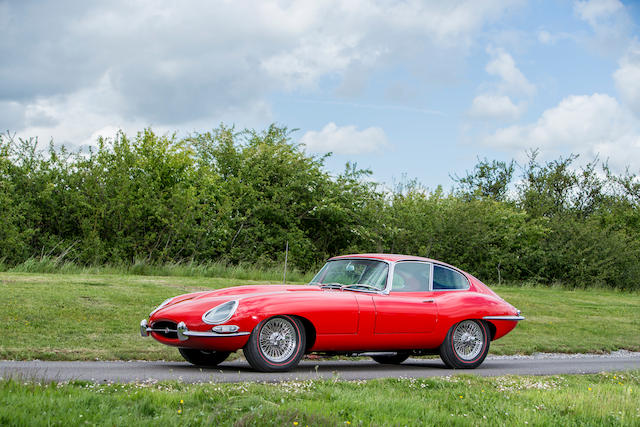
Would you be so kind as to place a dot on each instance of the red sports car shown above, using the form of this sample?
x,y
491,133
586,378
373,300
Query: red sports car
x,y
392,305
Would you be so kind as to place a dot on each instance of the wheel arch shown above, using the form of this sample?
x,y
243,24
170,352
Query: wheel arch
x,y
309,331
492,328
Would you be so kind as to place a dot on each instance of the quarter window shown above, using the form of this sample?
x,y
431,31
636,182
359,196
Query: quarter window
x,y
446,278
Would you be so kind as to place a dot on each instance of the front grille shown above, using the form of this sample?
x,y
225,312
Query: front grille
x,y
165,329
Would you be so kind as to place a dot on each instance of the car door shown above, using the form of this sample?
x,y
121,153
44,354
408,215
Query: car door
x,y
410,307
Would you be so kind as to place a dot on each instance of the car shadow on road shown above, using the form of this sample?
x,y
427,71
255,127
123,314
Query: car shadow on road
x,y
320,365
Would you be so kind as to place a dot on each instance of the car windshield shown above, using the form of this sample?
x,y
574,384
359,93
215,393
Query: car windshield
x,y
353,272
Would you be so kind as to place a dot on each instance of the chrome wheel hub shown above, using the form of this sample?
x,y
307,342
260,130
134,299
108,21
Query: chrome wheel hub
x,y
467,338
277,339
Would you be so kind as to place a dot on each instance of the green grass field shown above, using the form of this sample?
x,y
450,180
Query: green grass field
x,y
580,400
89,316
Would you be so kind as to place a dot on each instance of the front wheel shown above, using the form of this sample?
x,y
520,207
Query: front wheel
x,y
466,345
203,357
276,344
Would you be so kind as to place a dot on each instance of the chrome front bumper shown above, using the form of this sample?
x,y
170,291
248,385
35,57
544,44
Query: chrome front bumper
x,y
184,333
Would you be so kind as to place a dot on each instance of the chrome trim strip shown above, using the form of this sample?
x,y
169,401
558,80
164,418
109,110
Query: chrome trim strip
x,y
184,333
165,330
514,318
214,334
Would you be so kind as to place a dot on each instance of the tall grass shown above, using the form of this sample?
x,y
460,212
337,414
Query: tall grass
x,y
242,271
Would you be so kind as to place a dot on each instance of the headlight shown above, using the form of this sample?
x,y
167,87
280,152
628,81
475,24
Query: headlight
x,y
220,313
165,302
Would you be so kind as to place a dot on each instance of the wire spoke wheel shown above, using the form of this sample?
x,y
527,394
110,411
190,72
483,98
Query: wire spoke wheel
x,y
278,339
276,344
468,340
466,344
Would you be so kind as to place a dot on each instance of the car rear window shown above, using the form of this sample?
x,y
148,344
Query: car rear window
x,y
445,278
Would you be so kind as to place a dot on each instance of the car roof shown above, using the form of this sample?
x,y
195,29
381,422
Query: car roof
x,y
389,257
399,257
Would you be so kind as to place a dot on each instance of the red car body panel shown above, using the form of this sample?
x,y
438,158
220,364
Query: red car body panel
x,y
341,320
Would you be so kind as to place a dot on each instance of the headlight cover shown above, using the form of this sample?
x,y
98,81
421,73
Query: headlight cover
x,y
220,313
165,302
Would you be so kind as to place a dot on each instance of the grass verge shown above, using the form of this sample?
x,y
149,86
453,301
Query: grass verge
x,y
217,269
580,400
93,316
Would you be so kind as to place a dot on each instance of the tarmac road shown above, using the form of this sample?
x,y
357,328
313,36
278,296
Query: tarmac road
x,y
238,371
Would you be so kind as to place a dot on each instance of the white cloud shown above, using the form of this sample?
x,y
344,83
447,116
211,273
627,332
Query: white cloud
x,y
498,107
496,102
345,140
503,66
609,21
627,78
545,37
590,125
596,11
77,119
172,64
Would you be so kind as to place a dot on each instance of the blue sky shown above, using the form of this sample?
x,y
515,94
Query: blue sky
x,y
416,89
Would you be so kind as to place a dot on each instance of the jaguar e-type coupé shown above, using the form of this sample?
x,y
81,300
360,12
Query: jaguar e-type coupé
x,y
388,306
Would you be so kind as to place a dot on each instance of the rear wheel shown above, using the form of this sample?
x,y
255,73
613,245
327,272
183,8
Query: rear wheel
x,y
466,345
276,344
391,359
202,357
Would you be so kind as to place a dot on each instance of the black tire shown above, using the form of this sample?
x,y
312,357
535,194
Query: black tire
x,y
466,345
203,357
391,359
276,344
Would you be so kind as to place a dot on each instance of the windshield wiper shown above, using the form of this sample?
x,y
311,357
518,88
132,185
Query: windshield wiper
x,y
361,287
331,286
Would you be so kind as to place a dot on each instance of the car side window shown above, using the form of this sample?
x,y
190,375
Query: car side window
x,y
445,278
411,277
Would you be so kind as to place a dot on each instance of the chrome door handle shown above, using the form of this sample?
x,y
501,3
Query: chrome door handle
x,y
428,300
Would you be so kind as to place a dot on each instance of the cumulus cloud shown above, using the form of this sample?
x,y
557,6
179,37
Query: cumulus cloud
x,y
627,78
345,140
589,124
498,107
169,63
496,102
503,66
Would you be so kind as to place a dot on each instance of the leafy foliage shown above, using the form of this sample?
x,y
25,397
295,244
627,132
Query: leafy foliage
x,y
232,197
